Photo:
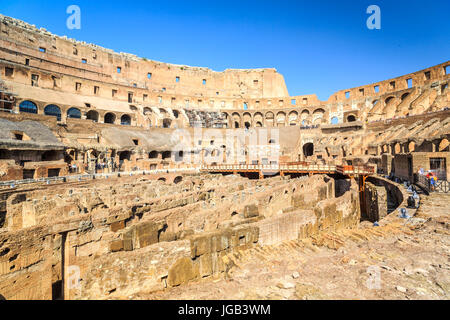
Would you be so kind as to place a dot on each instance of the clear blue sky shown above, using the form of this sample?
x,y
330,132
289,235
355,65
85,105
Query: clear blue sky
x,y
319,46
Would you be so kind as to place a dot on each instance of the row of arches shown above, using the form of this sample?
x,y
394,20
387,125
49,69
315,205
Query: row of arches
x,y
272,119
72,113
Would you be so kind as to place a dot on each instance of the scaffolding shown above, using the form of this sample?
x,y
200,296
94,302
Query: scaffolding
x,y
7,99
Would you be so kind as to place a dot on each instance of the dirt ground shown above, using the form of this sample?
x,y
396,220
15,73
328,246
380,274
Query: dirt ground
x,y
404,259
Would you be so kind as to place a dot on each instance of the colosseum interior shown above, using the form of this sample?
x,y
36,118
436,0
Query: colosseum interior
x,y
126,178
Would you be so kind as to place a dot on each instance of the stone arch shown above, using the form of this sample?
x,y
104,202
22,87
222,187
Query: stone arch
x,y
125,155
258,119
270,118
293,118
177,179
74,113
281,119
28,106
110,118
236,117
125,120
308,149
397,148
92,115
53,110
388,99
318,115
404,96
411,146
247,118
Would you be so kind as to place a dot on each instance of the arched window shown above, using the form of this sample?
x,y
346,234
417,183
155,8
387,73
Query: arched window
x,y
28,107
92,115
74,113
53,110
110,118
167,123
308,149
125,120
351,118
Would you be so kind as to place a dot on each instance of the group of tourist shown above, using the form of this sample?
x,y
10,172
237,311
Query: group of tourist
x,y
430,176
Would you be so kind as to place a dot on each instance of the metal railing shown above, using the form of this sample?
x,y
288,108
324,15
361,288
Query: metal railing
x,y
425,183
293,167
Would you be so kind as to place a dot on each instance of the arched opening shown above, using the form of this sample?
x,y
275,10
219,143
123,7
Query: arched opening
x,y
293,116
236,120
147,111
53,110
404,96
259,124
167,155
270,119
176,114
351,118
162,179
389,99
334,120
247,125
28,107
281,119
74,113
308,149
125,155
411,146
178,179
167,123
92,115
153,155
110,118
125,120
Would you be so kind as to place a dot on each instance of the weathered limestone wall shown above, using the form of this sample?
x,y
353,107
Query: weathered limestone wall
x,y
211,253
26,264
374,207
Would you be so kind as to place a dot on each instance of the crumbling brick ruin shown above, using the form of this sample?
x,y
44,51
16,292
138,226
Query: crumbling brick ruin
x,y
97,201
